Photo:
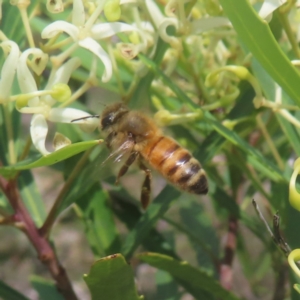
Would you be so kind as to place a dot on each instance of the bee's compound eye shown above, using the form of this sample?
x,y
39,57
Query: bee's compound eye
x,y
107,121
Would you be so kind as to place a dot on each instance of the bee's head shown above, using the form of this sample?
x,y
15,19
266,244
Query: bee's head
x,y
112,114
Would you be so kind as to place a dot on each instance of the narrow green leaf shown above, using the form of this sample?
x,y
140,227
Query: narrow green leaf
x,y
258,38
31,197
100,227
129,214
167,287
112,278
156,210
45,288
200,232
50,159
182,270
6,292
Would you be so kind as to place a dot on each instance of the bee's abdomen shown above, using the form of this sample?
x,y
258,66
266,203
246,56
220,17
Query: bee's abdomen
x,y
176,164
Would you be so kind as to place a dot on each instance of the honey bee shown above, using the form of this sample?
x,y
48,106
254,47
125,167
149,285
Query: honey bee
x,y
133,131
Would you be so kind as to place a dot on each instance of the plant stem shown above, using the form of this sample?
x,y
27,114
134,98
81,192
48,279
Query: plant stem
x,y
45,253
282,16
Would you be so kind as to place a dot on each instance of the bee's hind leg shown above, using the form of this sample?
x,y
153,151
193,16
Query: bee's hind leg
x,y
146,187
130,160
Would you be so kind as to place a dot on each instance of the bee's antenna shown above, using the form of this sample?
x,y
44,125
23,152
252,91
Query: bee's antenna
x,y
87,117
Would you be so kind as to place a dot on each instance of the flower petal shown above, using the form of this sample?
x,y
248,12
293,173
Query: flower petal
x,y
8,70
104,30
55,7
94,47
60,141
78,15
269,6
38,132
62,75
38,63
75,116
205,24
60,26
25,78
70,115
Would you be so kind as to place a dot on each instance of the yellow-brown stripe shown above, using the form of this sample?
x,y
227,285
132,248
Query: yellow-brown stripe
x,y
176,164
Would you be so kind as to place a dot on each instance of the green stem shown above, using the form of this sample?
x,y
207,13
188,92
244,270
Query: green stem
x,y
269,141
9,128
282,16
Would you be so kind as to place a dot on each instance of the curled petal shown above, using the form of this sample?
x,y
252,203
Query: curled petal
x,y
25,79
8,70
95,48
38,62
162,30
60,141
128,51
104,30
294,257
294,195
78,16
205,24
60,26
38,132
55,7
154,12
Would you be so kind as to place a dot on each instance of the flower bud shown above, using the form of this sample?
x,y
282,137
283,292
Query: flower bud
x,y
112,10
61,92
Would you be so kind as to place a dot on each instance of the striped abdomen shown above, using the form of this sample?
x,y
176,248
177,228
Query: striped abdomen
x,y
176,164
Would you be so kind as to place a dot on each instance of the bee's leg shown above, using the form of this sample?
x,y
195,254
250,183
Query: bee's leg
x,y
132,157
146,187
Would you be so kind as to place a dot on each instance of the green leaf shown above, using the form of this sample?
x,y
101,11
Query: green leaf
x,y
129,214
196,278
111,278
258,38
45,288
31,197
156,210
200,232
6,292
100,227
167,287
48,160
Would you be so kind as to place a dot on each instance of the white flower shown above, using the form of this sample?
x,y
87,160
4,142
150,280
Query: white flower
x,y
40,103
85,33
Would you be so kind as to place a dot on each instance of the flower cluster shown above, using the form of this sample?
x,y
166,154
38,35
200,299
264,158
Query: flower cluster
x,y
90,25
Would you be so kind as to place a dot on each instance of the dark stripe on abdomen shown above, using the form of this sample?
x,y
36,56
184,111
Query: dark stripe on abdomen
x,y
200,186
192,169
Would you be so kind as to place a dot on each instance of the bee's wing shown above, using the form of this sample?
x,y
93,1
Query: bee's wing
x,y
118,154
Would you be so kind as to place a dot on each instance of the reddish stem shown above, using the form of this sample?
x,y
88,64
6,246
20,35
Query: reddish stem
x,y
226,264
45,253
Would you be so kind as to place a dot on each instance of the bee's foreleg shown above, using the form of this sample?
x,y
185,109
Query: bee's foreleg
x,y
132,157
146,187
